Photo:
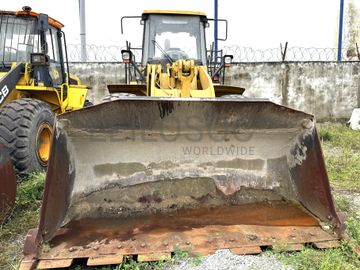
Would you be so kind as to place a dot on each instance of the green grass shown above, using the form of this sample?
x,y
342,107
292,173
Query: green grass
x,y
23,217
342,204
342,258
339,135
341,147
128,264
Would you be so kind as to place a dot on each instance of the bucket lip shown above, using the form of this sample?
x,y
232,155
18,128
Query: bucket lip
x,y
188,100
193,99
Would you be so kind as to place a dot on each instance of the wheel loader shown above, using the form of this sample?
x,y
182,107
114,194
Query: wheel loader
x,y
35,84
179,162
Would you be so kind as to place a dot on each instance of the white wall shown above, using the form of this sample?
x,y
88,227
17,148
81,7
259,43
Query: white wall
x,y
329,90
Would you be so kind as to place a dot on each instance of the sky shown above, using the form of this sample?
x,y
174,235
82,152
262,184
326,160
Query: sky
x,y
260,24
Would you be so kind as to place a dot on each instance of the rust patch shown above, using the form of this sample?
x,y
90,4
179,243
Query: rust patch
x,y
242,229
204,198
150,199
53,264
246,250
105,260
154,257
30,245
28,263
275,213
7,182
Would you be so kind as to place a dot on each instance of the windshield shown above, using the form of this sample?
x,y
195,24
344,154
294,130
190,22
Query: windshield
x,y
17,38
174,37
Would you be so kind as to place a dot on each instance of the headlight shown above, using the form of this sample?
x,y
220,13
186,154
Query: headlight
x,y
126,56
228,60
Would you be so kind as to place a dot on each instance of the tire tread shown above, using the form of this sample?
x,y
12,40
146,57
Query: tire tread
x,y
15,124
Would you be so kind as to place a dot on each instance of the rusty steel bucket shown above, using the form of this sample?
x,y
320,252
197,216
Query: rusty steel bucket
x,y
7,183
147,176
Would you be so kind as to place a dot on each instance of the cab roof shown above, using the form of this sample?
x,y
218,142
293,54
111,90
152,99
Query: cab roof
x,y
22,13
175,12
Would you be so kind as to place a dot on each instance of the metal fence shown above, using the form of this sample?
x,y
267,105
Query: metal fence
x,y
103,53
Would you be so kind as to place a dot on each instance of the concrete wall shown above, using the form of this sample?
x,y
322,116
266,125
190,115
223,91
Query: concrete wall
x,y
328,90
98,75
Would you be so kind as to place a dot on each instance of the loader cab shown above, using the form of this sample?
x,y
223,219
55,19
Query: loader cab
x,y
33,38
170,36
18,39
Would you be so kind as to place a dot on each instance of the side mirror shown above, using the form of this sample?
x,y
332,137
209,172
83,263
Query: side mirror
x,y
126,56
226,28
228,60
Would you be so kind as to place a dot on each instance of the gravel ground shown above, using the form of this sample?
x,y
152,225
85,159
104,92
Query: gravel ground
x,y
225,260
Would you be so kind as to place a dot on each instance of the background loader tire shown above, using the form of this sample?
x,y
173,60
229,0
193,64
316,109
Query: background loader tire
x,y
26,127
115,96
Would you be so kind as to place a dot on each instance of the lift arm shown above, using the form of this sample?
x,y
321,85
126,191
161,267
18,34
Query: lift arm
x,y
9,81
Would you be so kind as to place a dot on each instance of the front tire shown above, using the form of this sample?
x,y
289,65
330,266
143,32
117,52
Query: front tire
x,y
26,128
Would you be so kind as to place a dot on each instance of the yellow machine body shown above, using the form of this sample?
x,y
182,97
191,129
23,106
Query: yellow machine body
x,y
35,85
25,88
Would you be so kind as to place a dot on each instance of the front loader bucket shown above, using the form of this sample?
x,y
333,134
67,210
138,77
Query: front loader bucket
x,y
7,183
149,176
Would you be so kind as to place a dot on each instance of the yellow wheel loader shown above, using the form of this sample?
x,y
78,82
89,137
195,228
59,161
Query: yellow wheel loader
x,y
172,163
35,84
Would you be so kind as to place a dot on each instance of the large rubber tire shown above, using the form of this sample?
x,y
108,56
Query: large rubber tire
x,y
26,127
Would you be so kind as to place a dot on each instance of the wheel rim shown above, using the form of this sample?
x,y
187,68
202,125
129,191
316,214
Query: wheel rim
x,y
43,143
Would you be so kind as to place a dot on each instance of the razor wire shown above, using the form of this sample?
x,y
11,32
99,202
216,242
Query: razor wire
x,y
108,53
